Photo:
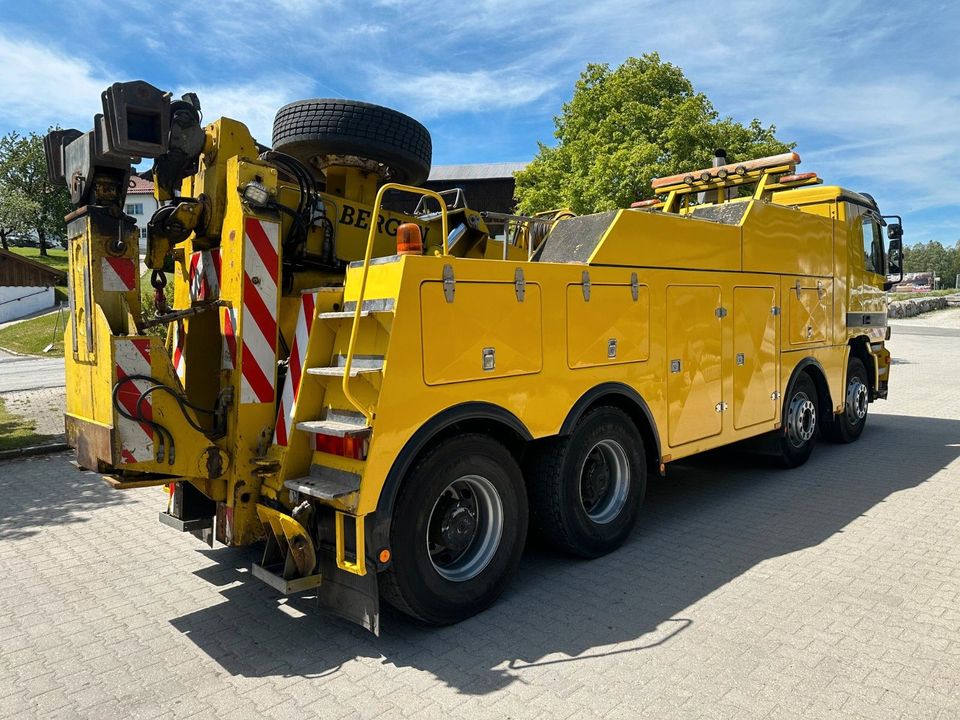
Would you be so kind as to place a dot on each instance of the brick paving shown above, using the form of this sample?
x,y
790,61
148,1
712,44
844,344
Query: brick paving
x,y
745,592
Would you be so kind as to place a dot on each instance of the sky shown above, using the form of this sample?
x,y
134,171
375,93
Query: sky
x,y
869,91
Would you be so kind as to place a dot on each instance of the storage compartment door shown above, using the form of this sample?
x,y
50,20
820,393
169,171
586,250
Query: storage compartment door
x,y
486,332
755,356
694,378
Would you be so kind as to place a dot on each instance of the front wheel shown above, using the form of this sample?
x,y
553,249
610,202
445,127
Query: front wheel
x,y
848,425
797,437
458,531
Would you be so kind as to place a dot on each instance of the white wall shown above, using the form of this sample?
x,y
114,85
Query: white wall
x,y
147,204
15,302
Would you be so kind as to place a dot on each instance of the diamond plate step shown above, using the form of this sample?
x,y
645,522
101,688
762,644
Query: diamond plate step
x,y
325,483
338,423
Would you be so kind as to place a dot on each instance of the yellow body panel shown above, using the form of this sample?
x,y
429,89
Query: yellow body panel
x,y
778,239
661,240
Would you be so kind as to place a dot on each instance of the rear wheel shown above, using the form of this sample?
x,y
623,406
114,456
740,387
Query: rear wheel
x,y
848,425
459,526
586,490
798,435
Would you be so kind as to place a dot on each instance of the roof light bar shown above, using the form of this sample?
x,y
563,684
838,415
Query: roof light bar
x,y
707,174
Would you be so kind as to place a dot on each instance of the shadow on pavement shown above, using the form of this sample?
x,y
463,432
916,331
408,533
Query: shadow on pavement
x,y
708,522
35,495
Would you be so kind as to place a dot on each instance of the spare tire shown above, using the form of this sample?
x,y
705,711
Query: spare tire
x,y
308,129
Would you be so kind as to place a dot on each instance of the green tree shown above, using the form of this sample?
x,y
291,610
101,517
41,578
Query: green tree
x,y
624,127
31,202
15,214
933,257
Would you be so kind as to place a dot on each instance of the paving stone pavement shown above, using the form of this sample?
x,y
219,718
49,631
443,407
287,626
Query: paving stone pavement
x,y
745,592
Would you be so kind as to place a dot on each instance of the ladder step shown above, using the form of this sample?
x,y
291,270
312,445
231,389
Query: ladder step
x,y
342,315
338,371
334,428
362,365
325,483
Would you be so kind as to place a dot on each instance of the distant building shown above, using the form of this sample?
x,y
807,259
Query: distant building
x,y
141,205
486,186
26,286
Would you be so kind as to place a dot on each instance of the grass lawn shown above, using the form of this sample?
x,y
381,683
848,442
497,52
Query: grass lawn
x,y
17,432
56,257
32,336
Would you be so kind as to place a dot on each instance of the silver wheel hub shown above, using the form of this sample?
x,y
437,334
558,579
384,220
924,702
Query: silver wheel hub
x,y
801,420
857,400
464,528
604,481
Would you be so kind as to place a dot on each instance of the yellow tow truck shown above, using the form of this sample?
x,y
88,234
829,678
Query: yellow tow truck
x,y
386,399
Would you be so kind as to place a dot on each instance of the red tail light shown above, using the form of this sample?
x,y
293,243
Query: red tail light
x,y
349,447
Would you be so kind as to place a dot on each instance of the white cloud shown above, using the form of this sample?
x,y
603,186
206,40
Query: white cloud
x,y
442,92
254,103
42,87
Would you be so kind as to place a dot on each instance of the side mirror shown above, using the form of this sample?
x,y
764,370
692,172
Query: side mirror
x,y
894,262
894,232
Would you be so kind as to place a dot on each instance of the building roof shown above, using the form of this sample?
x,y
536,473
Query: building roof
x,y
139,186
19,271
480,171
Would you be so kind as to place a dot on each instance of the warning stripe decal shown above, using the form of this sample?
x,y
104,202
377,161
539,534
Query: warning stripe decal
x,y
205,274
259,317
229,360
179,340
136,438
298,352
119,274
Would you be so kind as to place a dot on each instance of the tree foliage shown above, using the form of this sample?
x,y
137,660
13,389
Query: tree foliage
x,y
29,202
943,262
624,127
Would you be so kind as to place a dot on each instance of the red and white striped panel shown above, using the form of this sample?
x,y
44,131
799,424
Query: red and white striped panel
x,y
228,324
205,274
298,353
261,271
179,340
132,357
119,274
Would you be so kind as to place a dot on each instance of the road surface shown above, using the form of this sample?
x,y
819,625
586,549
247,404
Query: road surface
x,y
18,372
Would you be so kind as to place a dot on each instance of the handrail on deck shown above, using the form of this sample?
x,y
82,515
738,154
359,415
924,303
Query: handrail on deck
x,y
358,311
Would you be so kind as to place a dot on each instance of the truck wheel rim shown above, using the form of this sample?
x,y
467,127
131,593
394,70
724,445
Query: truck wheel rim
x,y
801,420
604,481
857,400
464,529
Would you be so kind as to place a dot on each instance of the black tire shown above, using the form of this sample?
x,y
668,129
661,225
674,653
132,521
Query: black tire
x,y
324,126
848,425
798,434
425,584
593,519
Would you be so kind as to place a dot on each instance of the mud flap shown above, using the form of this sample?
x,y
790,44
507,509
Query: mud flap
x,y
353,597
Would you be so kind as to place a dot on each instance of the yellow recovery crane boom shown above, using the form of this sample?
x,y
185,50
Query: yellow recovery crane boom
x,y
385,397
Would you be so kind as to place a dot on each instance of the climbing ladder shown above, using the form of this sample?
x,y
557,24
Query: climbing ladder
x,y
336,378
